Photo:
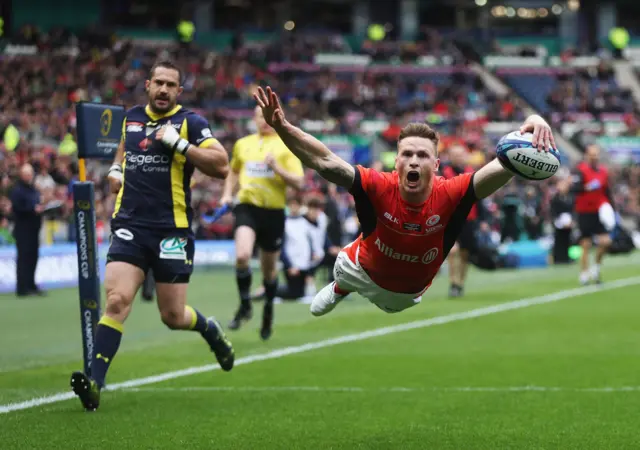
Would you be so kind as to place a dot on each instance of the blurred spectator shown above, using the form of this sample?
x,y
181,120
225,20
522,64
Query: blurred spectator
x,y
511,214
533,219
334,227
38,94
27,210
561,215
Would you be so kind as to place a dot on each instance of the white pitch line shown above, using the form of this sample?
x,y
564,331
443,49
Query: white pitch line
x,y
323,389
286,351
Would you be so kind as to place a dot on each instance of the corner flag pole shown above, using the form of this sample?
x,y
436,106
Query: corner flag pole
x,y
82,170
99,131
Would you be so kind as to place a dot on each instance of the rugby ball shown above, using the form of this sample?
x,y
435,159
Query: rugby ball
x,y
517,155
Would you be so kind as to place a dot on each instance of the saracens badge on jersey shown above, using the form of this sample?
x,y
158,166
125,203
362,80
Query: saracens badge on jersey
x,y
433,224
433,220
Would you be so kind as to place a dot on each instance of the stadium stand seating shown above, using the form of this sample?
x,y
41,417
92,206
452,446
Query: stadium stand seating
x,y
370,99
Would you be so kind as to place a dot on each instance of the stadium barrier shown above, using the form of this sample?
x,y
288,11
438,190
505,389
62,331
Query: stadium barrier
x,y
58,264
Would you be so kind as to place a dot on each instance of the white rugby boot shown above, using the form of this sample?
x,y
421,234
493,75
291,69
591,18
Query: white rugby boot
x,y
325,300
595,273
585,277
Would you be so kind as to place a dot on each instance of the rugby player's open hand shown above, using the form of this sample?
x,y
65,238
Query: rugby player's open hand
x,y
271,109
542,135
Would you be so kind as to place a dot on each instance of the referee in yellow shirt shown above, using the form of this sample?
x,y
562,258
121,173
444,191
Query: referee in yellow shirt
x,y
262,167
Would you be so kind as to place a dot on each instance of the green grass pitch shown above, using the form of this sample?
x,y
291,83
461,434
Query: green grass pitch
x,y
556,372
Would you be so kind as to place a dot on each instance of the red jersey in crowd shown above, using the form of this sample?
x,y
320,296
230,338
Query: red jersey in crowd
x,y
591,183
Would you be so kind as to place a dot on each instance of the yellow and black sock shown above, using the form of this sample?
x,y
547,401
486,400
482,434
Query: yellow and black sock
x,y
198,321
107,341
243,279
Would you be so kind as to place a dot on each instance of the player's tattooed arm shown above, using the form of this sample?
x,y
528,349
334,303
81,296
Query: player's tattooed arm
x,y
313,153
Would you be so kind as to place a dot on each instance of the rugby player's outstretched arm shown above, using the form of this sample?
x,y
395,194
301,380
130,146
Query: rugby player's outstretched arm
x,y
490,178
313,153
493,176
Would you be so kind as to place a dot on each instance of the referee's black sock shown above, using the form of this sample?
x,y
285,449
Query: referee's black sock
x,y
243,278
270,290
107,342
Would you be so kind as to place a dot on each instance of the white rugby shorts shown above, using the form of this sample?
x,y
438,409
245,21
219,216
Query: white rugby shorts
x,y
351,277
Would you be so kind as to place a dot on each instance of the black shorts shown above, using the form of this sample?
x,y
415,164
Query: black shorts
x,y
589,225
268,224
168,253
467,237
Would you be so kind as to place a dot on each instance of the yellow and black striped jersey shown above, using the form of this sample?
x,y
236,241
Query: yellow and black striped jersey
x,y
156,190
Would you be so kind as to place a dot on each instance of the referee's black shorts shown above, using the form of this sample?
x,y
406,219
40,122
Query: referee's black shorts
x,y
267,223
589,225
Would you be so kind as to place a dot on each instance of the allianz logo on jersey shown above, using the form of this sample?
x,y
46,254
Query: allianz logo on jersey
x,y
256,169
427,258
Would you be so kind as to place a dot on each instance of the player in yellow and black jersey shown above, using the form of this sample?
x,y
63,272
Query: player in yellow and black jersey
x,y
162,144
262,167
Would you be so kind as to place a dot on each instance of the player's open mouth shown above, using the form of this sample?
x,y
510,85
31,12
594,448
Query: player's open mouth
x,y
413,177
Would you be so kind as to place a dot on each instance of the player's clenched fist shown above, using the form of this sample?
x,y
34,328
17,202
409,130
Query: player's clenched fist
x,y
171,139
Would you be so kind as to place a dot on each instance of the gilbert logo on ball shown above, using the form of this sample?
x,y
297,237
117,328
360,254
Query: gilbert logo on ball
x,y
517,154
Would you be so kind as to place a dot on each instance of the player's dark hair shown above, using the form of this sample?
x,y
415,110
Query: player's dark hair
x,y
421,130
165,63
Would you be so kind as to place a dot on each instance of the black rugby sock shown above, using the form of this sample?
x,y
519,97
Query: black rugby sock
x,y
270,289
243,279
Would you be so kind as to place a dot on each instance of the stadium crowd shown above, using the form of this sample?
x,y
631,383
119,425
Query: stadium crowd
x,y
38,93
